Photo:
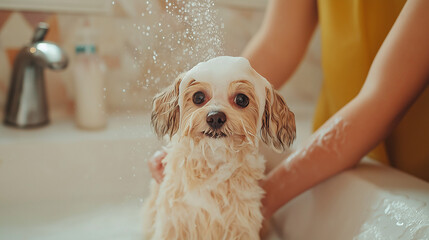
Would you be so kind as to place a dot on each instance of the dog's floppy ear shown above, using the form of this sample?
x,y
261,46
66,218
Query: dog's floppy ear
x,y
278,122
165,110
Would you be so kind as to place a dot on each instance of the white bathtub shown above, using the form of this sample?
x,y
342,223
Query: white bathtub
x,y
370,202
59,182
62,183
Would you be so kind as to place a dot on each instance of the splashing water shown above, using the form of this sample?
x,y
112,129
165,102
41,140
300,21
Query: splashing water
x,y
187,32
164,39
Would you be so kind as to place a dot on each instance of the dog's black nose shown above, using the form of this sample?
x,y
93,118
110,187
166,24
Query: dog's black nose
x,y
216,119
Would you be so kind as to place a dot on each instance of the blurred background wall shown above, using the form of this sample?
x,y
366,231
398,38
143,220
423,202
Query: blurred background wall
x,y
128,46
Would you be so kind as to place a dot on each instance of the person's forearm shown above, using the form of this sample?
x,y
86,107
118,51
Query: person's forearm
x,y
278,47
336,146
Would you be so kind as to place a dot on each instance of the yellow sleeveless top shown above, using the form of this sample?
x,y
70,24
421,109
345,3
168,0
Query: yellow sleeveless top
x,y
352,32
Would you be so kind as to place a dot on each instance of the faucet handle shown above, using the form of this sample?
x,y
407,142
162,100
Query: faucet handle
x,y
40,32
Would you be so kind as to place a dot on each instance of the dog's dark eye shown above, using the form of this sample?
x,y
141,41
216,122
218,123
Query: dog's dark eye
x,y
241,100
198,98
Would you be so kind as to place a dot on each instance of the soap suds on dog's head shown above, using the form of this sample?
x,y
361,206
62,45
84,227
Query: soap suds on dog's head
x,y
221,71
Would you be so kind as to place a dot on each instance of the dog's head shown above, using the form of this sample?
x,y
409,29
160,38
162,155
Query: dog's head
x,y
224,99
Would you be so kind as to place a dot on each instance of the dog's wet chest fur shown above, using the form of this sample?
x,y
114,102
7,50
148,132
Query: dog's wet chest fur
x,y
213,180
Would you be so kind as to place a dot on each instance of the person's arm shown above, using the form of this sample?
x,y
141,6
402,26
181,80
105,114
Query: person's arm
x,y
279,45
399,73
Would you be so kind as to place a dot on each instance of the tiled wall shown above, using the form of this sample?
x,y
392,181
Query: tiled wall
x,y
133,75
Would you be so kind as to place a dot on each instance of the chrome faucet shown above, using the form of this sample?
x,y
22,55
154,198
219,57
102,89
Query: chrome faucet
x,y
26,103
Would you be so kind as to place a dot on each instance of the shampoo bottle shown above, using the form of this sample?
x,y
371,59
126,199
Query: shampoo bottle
x,y
90,91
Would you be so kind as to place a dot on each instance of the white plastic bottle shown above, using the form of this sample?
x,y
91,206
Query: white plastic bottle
x,y
90,98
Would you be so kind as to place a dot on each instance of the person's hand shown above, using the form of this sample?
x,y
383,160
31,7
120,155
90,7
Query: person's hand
x,y
156,167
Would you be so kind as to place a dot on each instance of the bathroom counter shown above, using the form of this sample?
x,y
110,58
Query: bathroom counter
x,y
63,128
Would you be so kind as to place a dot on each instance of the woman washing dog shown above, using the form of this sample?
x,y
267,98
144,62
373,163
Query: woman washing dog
x,y
374,99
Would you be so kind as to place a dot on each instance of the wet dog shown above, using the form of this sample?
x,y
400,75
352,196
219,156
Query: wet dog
x,y
215,114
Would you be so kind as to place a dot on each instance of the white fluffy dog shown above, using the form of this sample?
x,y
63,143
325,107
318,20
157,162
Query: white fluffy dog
x,y
215,114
